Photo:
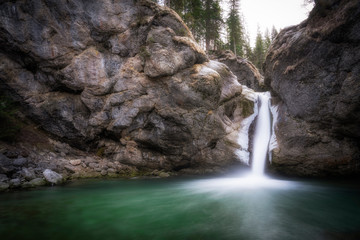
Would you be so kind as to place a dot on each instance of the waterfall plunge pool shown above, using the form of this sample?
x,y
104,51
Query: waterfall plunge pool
x,y
183,208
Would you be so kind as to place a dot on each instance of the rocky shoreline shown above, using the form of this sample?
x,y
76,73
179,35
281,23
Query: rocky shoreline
x,y
46,162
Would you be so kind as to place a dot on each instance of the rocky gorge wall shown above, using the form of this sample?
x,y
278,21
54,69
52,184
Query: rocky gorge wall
x,y
121,78
313,69
245,71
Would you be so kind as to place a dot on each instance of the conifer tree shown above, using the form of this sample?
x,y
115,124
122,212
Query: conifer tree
x,y
274,33
167,3
235,29
247,48
267,40
193,17
178,6
213,22
259,51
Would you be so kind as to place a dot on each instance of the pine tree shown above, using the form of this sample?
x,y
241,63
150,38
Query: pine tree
x,y
274,33
213,22
267,40
167,3
247,48
193,16
235,29
259,51
178,6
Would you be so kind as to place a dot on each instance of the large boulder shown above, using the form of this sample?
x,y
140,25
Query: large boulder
x,y
313,69
245,71
51,177
121,78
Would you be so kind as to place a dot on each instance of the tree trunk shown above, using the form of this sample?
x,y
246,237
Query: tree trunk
x,y
207,25
234,46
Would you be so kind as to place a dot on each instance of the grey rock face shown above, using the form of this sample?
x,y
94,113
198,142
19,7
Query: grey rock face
x,y
314,70
52,177
125,77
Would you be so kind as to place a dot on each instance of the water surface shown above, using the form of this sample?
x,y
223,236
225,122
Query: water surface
x,y
196,208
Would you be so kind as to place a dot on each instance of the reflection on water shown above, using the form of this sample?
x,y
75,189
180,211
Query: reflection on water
x,y
225,208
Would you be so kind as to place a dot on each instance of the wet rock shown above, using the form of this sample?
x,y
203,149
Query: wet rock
x,y
52,177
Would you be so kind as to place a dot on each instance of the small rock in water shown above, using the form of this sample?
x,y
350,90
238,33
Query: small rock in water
x,y
75,162
52,177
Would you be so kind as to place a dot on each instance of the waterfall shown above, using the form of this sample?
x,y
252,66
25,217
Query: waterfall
x,y
262,134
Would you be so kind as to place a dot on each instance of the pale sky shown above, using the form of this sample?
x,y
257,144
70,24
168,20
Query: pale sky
x,y
268,13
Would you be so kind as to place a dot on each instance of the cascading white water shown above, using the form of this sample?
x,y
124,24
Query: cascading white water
x,y
264,141
262,134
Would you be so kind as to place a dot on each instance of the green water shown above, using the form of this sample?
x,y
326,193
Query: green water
x,y
182,209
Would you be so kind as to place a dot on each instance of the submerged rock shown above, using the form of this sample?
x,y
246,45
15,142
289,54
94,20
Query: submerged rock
x,y
53,177
123,79
314,70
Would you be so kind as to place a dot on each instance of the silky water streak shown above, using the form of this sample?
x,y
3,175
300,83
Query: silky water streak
x,y
262,134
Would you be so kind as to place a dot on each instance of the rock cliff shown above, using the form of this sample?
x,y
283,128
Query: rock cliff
x,y
313,69
122,78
